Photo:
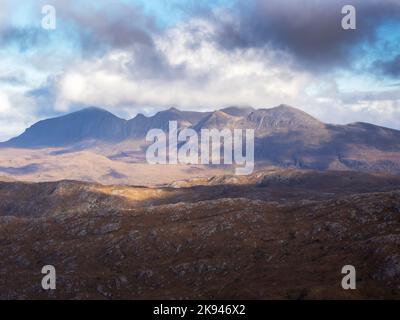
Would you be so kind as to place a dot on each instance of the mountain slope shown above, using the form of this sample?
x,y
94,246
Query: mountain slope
x,y
121,242
280,119
284,137
140,125
90,123
238,111
217,120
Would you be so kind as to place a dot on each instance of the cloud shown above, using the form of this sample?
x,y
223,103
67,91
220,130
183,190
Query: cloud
x,y
13,79
341,106
187,68
368,96
4,104
389,67
16,112
23,38
100,24
259,53
193,73
310,30
91,27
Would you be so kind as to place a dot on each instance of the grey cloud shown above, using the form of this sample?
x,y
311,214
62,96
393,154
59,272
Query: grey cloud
x,y
13,79
108,26
45,97
309,29
147,62
121,26
370,96
389,67
93,26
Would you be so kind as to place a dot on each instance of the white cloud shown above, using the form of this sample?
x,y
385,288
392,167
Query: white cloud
x,y
210,77
16,113
187,69
5,106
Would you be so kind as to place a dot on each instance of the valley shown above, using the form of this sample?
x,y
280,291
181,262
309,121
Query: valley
x,y
77,193
275,234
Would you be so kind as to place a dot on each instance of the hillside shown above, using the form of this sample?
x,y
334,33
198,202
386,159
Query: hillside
x,y
285,137
217,240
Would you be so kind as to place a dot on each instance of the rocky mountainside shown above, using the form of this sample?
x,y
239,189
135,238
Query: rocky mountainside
x,y
280,119
285,137
276,234
218,120
238,111
90,123
140,125
98,124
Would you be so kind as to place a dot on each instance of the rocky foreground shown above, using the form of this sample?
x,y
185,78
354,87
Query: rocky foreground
x,y
274,235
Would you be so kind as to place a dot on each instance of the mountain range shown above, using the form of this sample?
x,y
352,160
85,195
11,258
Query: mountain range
x,y
101,125
130,230
285,137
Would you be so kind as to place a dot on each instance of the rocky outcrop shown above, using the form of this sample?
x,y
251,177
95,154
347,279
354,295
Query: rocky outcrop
x,y
140,243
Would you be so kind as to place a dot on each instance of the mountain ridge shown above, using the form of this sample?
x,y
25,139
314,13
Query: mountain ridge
x,y
285,137
276,117
70,128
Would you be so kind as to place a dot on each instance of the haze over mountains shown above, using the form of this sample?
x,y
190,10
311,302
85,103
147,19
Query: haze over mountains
x,y
285,137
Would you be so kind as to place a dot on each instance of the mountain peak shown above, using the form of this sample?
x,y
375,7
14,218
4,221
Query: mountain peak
x,y
284,108
92,110
140,116
89,123
219,114
216,120
170,114
169,111
238,111
282,118
173,114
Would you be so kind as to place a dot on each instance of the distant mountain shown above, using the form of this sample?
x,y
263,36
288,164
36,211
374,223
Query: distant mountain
x,y
280,119
90,123
217,120
284,137
238,111
140,125
288,137
100,125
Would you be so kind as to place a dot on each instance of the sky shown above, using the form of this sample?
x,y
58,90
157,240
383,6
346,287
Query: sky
x,y
132,56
